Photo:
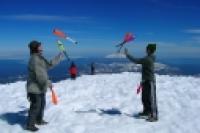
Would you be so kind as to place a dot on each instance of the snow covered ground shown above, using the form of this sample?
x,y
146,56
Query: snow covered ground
x,y
178,105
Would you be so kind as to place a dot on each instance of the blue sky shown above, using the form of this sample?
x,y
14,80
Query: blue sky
x,y
98,25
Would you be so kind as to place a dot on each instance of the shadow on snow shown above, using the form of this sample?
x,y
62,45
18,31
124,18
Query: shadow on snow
x,y
15,118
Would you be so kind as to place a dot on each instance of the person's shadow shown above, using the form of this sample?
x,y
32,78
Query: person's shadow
x,y
15,118
111,112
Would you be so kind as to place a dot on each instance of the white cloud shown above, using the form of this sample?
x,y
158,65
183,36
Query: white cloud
x,y
13,54
193,31
35,17
196,39
178,50
195,35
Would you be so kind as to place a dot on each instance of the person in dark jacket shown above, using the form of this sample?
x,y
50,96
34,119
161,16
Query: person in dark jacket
x,y
92,68
73,71
37,84
148,83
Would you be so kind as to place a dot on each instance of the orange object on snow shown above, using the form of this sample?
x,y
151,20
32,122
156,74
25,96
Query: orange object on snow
x,y
54,97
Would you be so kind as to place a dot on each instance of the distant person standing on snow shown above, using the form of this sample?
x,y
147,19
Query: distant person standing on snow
x,y
73,71
148,83
37,84
92,68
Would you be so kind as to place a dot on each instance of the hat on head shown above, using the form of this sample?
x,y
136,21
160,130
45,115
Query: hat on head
x,y
151,47
33,45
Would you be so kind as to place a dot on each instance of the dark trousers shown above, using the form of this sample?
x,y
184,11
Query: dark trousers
x,y
73,76
149,98
36,111
92,71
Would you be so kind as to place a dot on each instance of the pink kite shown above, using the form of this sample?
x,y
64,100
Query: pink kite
x,y
128,37
139,89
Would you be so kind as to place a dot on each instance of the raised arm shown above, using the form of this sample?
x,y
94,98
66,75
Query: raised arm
x,y
133,59
56,60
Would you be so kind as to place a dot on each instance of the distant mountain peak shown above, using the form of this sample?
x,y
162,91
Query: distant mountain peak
x,y
116,55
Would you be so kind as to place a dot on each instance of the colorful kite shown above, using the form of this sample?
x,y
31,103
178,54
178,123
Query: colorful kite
x,y
61,34
128,37
61,47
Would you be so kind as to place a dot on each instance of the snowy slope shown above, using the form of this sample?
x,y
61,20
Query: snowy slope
x,y
178,105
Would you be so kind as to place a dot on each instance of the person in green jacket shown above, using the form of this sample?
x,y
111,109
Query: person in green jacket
x,y
37,84
148,83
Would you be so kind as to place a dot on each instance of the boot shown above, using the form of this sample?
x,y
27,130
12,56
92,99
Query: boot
x,y
42,122
151,119
32,128
141,115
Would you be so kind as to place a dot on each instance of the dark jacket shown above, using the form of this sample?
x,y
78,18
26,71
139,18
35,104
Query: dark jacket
x,y
147,66
38,80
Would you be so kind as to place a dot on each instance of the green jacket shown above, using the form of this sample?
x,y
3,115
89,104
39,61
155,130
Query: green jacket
x,y
147,66
38,80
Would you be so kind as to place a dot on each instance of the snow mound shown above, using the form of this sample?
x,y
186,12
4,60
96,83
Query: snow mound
x,y
81,100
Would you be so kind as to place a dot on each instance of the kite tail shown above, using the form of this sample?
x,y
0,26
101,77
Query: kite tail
x,y
121,44
68,38
66,55
119,50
